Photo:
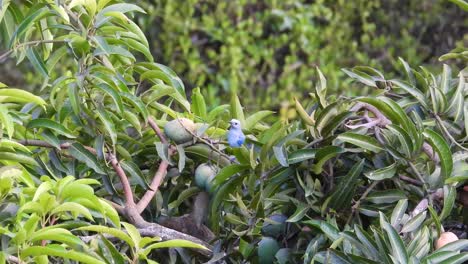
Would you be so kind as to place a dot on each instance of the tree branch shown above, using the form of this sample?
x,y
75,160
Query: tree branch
x,y
29,43
128,193
156,129
155,183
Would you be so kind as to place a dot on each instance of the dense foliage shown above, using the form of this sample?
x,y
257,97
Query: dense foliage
x,y
111,161
266,51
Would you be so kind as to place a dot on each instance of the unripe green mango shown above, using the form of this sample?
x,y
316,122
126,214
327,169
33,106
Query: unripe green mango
x,y
176,130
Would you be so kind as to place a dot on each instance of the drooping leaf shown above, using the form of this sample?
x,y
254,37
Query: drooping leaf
x,y
441,147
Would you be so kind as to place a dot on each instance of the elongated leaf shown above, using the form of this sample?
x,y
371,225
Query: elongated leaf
x,y
198,104
254,119
37,61
382,173
308,120
300,212
18,157
113,94
441,147
321,88
414,223
330,231
237,111
398,248
55,250
108,125
26,23
323,155
111,231
450,194
173,243
363,141
280,150
134,171
398,212
82,154
226,172
301,155
50,124
386,196
20,96
418,95
344,191
6,121
366,81
74,208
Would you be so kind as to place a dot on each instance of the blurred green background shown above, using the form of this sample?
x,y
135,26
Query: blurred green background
x,y
266,51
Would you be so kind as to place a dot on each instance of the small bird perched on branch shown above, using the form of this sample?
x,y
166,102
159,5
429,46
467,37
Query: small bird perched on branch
x,y
235,136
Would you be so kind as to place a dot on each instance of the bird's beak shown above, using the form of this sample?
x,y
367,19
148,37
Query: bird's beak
x,y
230,125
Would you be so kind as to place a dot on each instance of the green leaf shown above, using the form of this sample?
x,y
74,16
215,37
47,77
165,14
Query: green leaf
x,y
280,150
55,250
414,223
6,121
443,150
344,191
25,25
321,88
74,208
301,155
461,3
450,195
454,246
111,231
418,95
236,110
363,141
399,212
308,120
37,62
364,80
330,231
108,124
180,243
20,96
74,97
300,212
398,248
254,119
82,154
386,196
382,173
56,234
133,233
182,157
113,94
18,157
134,171
52,125
323,155
198,104
226,172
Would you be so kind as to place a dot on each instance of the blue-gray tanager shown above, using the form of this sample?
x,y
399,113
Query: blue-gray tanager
x,y
235,136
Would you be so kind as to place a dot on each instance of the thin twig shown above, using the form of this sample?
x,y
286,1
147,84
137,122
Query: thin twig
x,y
156,129
447,133
214,148
128,193
356,205
410,180
155,183
29,43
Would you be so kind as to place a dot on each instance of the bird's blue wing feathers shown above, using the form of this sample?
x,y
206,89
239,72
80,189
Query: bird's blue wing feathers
x,y
240,141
